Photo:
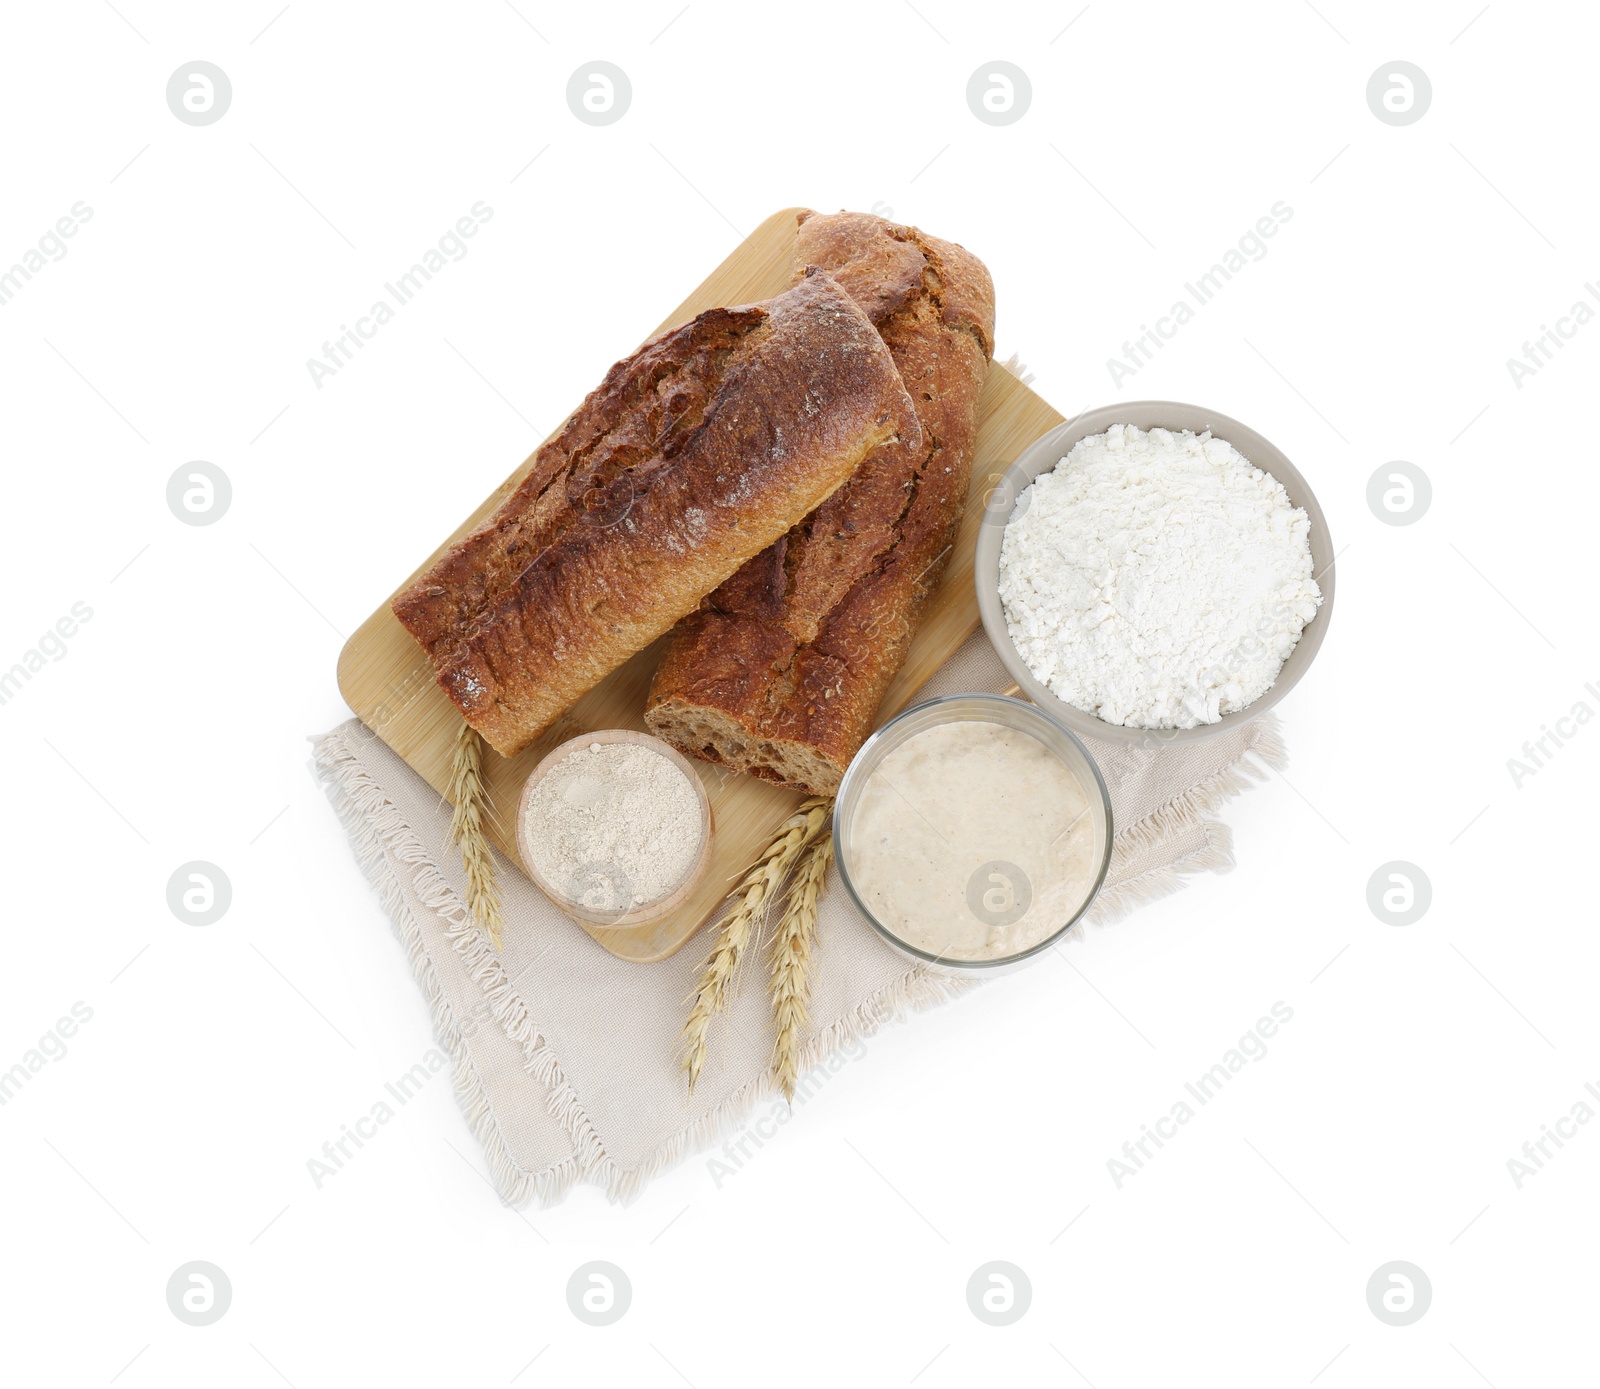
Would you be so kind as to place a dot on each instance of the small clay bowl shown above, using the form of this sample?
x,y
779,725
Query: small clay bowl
x,y
646,913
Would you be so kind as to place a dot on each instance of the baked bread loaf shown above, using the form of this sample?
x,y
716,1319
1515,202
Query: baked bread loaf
x,y
694,454
781,671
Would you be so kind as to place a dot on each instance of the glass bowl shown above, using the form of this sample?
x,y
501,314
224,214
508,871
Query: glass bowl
x,y
568,897
977,708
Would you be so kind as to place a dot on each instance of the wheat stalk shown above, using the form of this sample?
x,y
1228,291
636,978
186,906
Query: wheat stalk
x,y
469,831
791,961
755,895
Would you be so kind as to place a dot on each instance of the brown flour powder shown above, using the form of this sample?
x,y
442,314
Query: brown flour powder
x,y
613,826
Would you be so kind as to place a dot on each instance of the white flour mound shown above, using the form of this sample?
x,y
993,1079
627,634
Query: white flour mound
x,y
1156,580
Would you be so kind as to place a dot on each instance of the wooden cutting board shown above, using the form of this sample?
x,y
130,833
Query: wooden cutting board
x,y
387,680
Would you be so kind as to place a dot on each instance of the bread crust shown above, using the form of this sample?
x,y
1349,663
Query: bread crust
x,y
782,670
693,455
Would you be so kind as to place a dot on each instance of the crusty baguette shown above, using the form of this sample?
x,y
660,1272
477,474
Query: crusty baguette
x,y
782,670
693,455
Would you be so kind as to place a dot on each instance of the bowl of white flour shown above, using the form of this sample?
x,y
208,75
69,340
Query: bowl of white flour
x,y
1155,573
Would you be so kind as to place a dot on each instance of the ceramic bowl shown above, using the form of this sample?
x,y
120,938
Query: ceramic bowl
x,y
1042,456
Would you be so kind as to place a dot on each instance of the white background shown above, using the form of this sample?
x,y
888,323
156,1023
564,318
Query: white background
x,y
1378,1127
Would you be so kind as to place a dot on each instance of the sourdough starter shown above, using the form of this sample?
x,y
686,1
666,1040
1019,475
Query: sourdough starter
x,y
972,841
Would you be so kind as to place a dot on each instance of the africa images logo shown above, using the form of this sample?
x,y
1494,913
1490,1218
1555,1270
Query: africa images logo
x,y
50,247
451,246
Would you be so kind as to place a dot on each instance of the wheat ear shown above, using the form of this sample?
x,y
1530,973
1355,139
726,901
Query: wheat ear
x,y
469,832
791,961
755,895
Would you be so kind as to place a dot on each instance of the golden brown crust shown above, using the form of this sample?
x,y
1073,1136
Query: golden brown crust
x,y
692,455
781,672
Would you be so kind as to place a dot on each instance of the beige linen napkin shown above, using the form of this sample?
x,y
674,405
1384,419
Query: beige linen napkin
x,y
565,1057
